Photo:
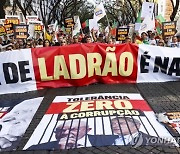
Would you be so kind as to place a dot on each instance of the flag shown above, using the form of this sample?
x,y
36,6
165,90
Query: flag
x,y
77,25
147,9
115,24
139,18
158,23
147,24
99,12
93,25
160,18
85,24
47,36
92,2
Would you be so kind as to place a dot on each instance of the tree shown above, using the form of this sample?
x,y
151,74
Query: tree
x,y
175,9
2,12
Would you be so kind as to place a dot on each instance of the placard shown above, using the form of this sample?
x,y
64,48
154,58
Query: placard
x,y
9,28
21,31
69,22
169,28
121,34
2,31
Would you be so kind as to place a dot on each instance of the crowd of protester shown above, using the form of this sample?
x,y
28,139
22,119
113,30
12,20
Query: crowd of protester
x,y
62,39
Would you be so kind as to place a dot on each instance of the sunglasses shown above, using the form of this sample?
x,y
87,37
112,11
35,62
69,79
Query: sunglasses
x,y
63,42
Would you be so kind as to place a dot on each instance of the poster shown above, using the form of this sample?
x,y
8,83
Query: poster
x,y
21,31
69,22
9,28
12,19
98,120
2,31
121,34
171,121
15,118
169,28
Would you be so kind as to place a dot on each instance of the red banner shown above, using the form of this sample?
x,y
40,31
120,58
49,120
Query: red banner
x,y
78,65
68,107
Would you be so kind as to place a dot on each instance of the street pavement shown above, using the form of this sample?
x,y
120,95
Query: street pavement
x,y
162,97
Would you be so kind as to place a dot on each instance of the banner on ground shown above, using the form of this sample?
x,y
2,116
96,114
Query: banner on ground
x,y
84,64
98,120
171,121
15,118
169,28
21,31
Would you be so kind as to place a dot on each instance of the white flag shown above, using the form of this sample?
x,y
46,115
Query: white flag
x,y
77,25
147,9
147,24
93,25
92,2
99,12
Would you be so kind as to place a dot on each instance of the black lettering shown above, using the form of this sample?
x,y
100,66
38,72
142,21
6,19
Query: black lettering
x,y
69,99
108,97
100,97
8,78
162,65
144,63
126,97
174,68
24,71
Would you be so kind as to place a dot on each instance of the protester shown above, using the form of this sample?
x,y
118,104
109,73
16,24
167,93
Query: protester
x,y
46,43
6,41
174,42
88,39
63,42
152,40
161,43
144,38
75,39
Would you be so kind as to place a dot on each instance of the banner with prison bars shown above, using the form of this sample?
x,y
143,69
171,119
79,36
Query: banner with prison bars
x,y
98,120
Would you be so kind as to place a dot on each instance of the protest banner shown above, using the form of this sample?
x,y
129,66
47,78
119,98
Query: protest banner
x,y
15,117
34,26
171,120
84,64
121,34
169,28
68,30
69,22
2,31
38,28
31,18
98,120
9,29
12,19
21,31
